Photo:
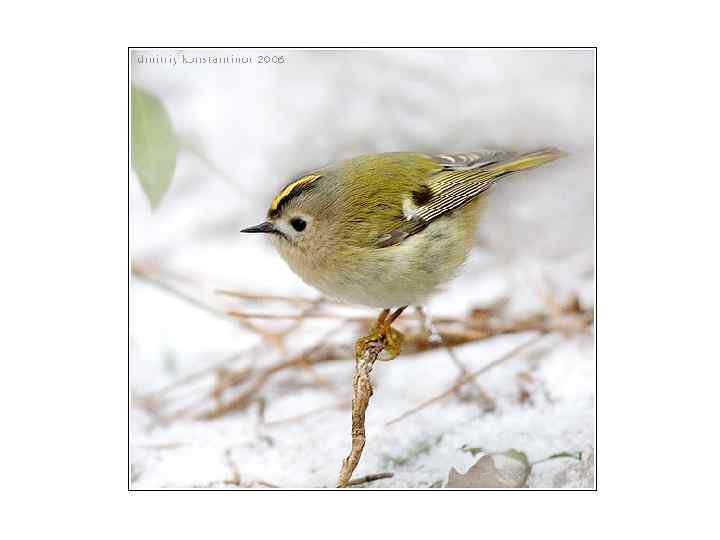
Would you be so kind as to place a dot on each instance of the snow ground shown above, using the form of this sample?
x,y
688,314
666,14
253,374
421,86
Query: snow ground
x,y
259,127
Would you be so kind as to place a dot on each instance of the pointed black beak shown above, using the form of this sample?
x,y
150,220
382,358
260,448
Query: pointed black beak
x,y
266,227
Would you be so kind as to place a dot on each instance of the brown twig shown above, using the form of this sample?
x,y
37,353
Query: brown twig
x,y
139,272
467,378
369,478
309,310
486,401
318,353
337,405
274,298
191,377
365,357
478,324
297,316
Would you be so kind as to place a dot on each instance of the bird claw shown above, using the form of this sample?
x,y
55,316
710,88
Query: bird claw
x,y
389,339
393,344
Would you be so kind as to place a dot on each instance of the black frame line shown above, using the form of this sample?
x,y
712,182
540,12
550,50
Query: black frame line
x,y
351,48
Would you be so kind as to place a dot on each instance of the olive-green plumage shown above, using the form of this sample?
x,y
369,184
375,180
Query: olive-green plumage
x,y
389,229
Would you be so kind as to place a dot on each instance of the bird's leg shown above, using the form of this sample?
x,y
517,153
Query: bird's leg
x,y
395,315
383,334
375,334
381,318
393,338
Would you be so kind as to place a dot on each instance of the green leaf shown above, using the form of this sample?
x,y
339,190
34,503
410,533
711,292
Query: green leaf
x,y
474,450
154,145
573,455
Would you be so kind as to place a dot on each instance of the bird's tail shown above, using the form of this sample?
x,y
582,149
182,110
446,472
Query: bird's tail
x,y
526,161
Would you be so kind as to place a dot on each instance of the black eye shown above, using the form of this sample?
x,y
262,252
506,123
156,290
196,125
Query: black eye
x,y
298,224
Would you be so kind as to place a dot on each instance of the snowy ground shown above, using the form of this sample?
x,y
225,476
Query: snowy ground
x,y
258,125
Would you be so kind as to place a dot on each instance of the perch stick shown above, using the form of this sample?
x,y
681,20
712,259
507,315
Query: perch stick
x,y
362,390
367,351
370,478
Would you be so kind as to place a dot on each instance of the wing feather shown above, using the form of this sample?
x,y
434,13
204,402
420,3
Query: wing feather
x,y
472,160
463,177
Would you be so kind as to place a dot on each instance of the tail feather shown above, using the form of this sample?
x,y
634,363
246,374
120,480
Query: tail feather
x,y
527,161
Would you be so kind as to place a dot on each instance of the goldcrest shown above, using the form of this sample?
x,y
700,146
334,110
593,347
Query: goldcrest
x,y
387,230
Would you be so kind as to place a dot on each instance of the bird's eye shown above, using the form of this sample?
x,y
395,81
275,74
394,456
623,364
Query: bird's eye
x,y
298,224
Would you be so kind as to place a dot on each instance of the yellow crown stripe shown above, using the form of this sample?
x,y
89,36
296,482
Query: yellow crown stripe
x,y
285,192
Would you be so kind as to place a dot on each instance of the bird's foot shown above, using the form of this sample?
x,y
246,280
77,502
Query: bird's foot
x,y
389,339
384,336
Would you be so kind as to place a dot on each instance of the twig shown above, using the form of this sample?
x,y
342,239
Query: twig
x,y
198,153
139,272
236,478
452,332
467,378
370,478
304,359
309,310
299,316
486,401
295,418
195,375
365,357
274,298
266,484
263,297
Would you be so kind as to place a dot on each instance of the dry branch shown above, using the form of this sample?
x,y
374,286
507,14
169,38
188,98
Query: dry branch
x,y
140,272
468,378
476,325
362,391
297,316
369,478
314,355
337,405
367,350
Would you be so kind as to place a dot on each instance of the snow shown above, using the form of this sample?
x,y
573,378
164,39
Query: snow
x,y
259,125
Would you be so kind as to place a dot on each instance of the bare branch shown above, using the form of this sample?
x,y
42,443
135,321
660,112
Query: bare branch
x,y
467,378
367,350
297,316
362,391
369,478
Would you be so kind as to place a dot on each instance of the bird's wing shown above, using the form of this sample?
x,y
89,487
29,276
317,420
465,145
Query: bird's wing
x,y
471,160
462,178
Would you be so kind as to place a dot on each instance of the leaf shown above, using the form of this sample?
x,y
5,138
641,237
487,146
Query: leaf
x,y
154,145
504,470
573,455
474,450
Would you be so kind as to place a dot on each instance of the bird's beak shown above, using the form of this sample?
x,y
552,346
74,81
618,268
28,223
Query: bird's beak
x,y
266,227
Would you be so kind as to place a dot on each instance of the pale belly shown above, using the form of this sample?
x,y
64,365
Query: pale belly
x,y
405,274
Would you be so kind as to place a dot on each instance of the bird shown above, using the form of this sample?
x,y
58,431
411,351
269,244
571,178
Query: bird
x,y
388,230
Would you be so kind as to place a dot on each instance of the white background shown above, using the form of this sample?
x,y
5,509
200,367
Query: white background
x,y
261,125
64,229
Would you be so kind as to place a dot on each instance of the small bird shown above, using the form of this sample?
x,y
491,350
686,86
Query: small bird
x,y
387,230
